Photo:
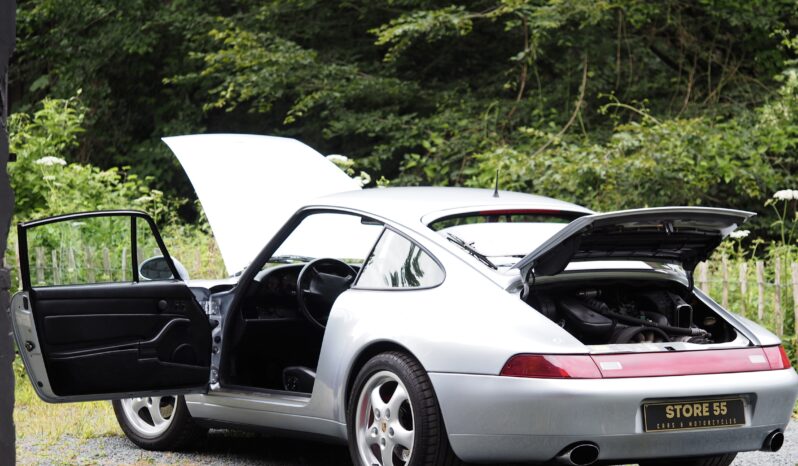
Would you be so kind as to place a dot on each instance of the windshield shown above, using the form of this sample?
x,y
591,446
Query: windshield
x,y
345,237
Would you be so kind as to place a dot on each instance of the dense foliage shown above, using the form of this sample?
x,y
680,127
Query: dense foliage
x,y
608,103
611,103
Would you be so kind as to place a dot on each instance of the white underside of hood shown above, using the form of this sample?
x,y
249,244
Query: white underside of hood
x,y
249,186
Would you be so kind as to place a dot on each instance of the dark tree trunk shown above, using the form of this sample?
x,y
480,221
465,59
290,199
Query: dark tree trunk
x,y
7,434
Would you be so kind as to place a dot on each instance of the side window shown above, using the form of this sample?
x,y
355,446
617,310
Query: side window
x,y
399,263
150,257
87,249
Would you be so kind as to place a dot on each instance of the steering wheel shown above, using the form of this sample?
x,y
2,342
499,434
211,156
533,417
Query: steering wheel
x,y
318,286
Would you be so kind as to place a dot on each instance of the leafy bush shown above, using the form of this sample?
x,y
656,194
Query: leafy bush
x,y
45,184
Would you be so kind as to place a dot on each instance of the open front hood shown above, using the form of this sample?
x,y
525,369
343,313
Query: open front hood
x,y
683,235
249,186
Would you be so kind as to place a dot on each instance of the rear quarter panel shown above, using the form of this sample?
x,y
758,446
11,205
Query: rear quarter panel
x,y
468,324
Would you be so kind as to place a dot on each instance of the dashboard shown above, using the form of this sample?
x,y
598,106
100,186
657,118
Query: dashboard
x,y
274,297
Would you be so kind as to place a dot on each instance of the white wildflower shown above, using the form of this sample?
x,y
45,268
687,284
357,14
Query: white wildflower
x,y
338,159
786,195
364,179
49,178
49,161
739,234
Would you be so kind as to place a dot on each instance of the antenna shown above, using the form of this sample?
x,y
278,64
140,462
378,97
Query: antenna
x,y
496,187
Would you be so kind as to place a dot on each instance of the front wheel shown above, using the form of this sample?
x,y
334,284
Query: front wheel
x,y
157,422
393,418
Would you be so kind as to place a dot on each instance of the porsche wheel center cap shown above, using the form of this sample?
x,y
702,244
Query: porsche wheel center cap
x,y
384,426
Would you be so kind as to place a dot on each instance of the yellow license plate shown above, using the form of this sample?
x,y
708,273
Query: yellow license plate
x,y
693,414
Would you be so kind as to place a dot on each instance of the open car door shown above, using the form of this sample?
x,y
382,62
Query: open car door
x,y
89,327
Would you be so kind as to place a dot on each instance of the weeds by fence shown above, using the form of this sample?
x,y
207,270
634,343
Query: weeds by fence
x,y
763,291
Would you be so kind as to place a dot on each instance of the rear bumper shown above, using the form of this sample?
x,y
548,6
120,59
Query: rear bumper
x,y
492,418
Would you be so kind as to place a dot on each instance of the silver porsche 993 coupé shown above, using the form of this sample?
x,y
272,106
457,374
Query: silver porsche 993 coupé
x,y
423,326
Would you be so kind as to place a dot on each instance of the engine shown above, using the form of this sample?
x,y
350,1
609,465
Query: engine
x,y
626,315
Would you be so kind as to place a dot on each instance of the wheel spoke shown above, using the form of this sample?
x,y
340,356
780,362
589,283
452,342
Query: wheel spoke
x,y
155,411
387,454
403,436
376,402
399,396
137,403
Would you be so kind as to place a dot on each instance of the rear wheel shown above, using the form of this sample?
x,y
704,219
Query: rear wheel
x,y
158,422
393,416
716,460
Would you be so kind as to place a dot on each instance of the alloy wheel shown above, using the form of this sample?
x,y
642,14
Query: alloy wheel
x,y
149,416
384,424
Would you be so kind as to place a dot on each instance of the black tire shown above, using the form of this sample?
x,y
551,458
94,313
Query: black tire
x,y
716,460
431,444
181,434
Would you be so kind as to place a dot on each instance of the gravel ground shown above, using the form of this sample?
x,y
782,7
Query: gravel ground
x,y
230,448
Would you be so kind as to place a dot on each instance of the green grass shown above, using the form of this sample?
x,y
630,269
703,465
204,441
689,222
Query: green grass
x,y
47,422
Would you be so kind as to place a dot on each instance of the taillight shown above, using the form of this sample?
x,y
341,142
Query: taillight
x,y
777,357
646,364
551,366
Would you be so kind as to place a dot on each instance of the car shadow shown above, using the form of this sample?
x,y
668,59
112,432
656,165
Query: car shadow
x,y
253,448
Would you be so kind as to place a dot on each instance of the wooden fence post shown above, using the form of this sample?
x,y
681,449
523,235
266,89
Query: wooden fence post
x,y
760,281
71,269
724,300
89,259
794,268
743,276
777,299
107,265
125,265
56,270
39,265
703,281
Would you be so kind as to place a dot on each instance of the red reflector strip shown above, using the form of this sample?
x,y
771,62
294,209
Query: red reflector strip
x,y
682,363
777,357
519,212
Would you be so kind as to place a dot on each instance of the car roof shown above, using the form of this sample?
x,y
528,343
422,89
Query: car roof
x,y
411,205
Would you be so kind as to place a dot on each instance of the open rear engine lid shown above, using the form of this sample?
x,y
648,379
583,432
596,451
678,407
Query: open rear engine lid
x,y
682,235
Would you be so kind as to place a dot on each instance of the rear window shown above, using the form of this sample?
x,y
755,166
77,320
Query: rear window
x,y
504,236
504,216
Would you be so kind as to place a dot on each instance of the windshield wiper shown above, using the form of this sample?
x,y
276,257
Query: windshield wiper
x,y
289,259
470,249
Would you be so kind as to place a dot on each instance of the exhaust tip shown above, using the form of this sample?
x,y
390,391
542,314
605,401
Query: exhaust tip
x,y
773,441
580,454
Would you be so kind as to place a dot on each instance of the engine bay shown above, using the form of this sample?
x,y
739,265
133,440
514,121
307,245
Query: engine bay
x,y
623,312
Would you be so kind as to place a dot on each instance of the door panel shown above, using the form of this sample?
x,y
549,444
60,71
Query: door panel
x,y
109,340
132,336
